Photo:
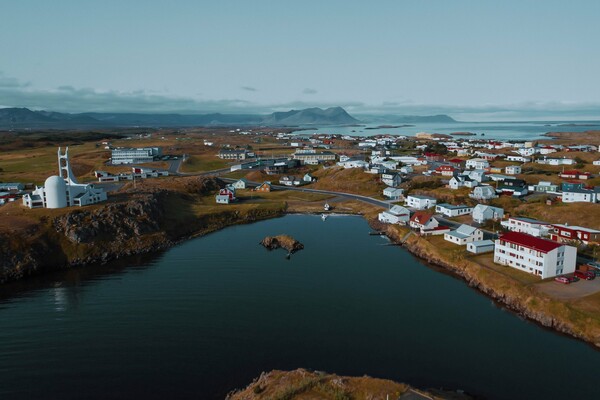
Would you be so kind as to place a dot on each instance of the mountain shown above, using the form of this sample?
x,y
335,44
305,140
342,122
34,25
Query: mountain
x,y
408,119
23,118
311,116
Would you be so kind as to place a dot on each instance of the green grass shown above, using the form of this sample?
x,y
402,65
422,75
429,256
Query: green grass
x,y
203,163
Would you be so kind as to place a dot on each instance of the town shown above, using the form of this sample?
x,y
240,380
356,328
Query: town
x,y
472,192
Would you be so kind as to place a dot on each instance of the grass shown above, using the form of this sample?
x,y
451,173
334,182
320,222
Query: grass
x,y
201,163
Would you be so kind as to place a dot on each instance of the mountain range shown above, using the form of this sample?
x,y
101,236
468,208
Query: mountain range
x,y
24,118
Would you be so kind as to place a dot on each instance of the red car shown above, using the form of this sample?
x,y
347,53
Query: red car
x,y
587,275
562,279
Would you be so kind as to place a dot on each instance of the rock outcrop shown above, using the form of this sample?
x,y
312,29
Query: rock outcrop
x,y
282,241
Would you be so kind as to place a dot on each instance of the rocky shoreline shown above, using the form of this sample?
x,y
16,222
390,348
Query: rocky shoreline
x,y
516,301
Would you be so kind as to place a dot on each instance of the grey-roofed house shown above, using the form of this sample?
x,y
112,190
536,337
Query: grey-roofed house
x,y
464,234
451,210
482,213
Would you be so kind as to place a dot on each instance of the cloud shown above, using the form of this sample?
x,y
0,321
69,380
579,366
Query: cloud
x,y
8,82
14,93
309,91
249,88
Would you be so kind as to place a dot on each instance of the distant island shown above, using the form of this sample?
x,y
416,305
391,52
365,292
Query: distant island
x,y
24,118
463,134
389,126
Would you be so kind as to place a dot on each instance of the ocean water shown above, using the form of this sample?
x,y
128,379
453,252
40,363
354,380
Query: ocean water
x,y
213,313
490,130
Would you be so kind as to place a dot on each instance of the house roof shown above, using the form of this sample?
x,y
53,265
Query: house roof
x,y
421,197
531,242
529,220
453,207
421,216
576,228
486,242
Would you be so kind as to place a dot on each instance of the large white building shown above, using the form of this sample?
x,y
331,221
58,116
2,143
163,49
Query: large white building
x,y
526,225
63,190
536,256
135,156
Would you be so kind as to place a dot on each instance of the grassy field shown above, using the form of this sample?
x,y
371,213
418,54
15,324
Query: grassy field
x,y
203,162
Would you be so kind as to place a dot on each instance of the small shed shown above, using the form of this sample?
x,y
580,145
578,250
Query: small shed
x,y
480,246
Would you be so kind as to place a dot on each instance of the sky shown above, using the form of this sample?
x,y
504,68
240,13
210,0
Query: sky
x,y
475,60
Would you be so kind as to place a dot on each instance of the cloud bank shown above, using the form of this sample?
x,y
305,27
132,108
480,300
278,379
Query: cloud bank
x,y
14,93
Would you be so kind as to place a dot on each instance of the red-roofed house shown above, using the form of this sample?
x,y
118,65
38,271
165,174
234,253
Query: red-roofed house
x,y
427,224
537,256
445,170
573,174
570,233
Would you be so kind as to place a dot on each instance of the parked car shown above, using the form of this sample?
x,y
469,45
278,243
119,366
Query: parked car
x,y
562,279
572,278
587,275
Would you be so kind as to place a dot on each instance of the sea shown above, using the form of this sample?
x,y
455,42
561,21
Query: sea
x,y
211,314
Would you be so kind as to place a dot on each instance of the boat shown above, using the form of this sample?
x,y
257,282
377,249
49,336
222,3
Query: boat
x,y
323,217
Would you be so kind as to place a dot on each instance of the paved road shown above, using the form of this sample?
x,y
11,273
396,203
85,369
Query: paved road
x,y
358,197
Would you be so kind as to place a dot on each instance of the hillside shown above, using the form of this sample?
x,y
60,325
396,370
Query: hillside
x,y
308,116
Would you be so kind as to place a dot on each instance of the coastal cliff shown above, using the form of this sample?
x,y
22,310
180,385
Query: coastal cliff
x,y
304,384
134,222
524,300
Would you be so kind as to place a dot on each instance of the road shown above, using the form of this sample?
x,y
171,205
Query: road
x,y
351,196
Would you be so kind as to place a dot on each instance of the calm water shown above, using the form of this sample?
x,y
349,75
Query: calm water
x,y
211,314
492,130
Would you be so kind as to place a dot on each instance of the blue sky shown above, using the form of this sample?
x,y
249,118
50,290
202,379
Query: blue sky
x,y
475,59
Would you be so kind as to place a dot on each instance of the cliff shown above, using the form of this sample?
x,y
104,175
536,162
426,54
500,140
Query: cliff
x,y
133,222
304,384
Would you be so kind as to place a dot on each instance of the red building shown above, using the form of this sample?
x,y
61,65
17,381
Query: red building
x,y
567,233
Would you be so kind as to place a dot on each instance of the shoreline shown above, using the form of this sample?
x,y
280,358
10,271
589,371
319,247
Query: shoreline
x,y
415,245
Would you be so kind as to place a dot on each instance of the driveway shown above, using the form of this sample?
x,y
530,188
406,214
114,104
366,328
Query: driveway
x,y
573,290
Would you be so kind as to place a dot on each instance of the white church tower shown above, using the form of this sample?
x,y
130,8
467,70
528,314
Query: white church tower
x,y
64,167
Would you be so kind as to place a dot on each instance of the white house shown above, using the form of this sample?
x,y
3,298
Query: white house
x,y
477,163
518,158
308,178
393,180
464,234
289,181
478,175
450,210
462,181
240,184
540,257
482,213
420,202
222,199
395,215
526,225
483,193
480,246
580,195
353,164
393,193
512,170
